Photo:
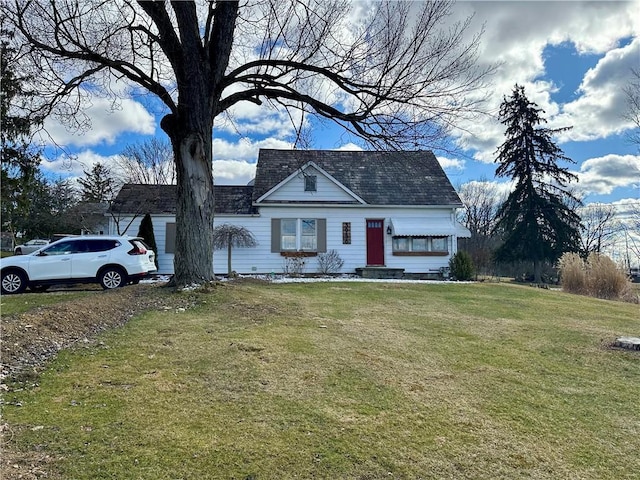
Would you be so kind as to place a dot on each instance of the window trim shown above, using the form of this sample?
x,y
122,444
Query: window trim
x,y
299,228
320,236
429,252
310,183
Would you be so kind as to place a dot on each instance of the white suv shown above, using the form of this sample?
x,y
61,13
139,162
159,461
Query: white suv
x,y
112,261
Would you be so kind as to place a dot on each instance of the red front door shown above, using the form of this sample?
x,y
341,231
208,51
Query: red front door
x,y
375,242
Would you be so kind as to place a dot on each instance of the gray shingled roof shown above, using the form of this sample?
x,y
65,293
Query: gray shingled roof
x,y
161,199
379,178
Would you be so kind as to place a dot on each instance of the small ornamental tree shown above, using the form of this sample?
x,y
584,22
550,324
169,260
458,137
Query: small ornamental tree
x,y
146,232
228,236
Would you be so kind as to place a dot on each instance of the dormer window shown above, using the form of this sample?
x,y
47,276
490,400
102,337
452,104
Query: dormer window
x,y
310,183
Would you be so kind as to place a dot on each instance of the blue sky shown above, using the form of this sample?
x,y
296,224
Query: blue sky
x,y
573,58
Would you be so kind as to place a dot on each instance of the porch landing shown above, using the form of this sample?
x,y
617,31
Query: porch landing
x,y
380,272
392,273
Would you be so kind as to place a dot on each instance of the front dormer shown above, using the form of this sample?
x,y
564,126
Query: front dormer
x,y
310,184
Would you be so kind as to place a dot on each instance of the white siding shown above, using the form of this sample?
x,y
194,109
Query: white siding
x,y
259,259
326,190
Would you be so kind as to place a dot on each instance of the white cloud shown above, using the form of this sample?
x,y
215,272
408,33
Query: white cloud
x,y
235,163
451,163
103,121
75,165
245,149
231,172
516,35
598,111
501,189
246,118
627,207
349,147
602,175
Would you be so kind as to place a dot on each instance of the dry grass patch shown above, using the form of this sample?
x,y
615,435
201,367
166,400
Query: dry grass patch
x,y
598,276
350,381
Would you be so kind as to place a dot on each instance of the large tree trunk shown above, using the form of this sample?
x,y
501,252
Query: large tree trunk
x,y
192,147
537,271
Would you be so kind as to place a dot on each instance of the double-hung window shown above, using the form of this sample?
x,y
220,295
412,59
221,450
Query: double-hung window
x,y
308,234
288,233
298,235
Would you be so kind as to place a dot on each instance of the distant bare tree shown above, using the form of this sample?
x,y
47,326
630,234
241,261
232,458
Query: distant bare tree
x,y
122,220
632,232
149,162
632,113
481,202
599,227
228,236
126,207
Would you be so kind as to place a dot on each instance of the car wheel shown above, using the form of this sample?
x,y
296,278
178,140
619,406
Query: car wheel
x,y
18,251
112,277
13,281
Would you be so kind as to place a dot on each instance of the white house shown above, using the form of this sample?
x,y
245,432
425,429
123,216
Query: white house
x,y
380,211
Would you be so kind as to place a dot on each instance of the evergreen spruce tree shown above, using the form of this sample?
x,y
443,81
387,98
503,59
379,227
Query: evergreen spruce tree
x,y
535,222
98,184
19,160
146,232
16,126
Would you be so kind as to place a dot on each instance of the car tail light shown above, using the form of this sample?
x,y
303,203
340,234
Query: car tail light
x,y
137,249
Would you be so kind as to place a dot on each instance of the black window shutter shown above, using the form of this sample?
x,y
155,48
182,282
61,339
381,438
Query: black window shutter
x,y
322,234
170,238
275,235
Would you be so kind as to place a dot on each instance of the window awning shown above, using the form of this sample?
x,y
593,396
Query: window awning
x,y
415,227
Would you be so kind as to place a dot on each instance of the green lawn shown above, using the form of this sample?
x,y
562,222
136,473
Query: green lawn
x,y
346,381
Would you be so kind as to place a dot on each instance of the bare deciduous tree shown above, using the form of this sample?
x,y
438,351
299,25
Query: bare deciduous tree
x,y
149,162
632,92
632,113
632,233
389,72
228,236
599,227
481,201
